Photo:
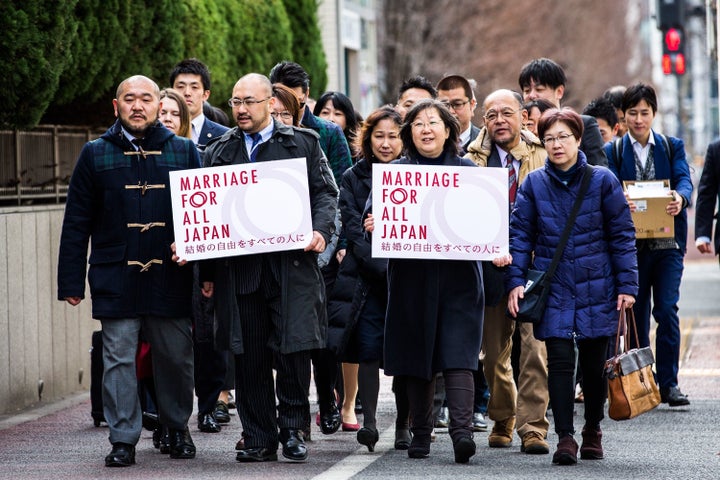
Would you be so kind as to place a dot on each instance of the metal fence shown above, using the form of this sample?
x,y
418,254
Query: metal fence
x,y
36,165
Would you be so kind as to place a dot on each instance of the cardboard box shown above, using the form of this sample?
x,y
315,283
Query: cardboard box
x,y
651,198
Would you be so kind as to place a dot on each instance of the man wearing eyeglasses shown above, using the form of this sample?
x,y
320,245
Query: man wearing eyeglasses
x,y
544,78
457,94
337,151
503,143
270,308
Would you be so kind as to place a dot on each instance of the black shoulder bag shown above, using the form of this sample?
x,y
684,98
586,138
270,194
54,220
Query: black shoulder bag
x,y
531,308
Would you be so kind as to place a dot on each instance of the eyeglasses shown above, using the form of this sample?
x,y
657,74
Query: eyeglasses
x,y
456,105
284,115
248,102
562,138
492,115
423,125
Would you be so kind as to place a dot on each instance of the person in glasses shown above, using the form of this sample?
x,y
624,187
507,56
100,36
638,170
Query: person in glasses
x,y
434,315
544,78
597,275
286,108
503,143
339,157
456,92
270,308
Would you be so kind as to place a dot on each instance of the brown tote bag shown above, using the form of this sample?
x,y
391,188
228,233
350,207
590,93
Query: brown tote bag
x,y
631,384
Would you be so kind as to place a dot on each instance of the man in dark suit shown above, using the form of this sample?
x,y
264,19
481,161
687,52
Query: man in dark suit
x,y
707,199
457,94
270,307
543,78
192,79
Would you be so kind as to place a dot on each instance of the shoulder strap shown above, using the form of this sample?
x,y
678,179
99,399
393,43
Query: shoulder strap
x,y
570,222
617,149
668,148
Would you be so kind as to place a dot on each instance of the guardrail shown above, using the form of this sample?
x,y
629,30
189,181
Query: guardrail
x,y
36,165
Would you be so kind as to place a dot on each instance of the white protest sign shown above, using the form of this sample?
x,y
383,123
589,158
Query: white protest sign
x,y
241,209
439,212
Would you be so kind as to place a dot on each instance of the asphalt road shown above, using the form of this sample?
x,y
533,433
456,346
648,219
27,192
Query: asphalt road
x,y
59,441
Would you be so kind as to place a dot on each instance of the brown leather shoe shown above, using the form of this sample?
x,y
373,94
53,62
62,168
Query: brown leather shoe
x,y
534,443
591,448
502,433
566,453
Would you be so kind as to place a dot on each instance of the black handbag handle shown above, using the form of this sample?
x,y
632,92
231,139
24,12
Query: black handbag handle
x,y
568,226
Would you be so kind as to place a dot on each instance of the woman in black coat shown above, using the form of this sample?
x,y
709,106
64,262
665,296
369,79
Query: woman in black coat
x,y
435,307
357,303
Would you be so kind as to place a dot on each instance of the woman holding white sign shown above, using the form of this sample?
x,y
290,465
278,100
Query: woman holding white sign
x,y
435,307
357,303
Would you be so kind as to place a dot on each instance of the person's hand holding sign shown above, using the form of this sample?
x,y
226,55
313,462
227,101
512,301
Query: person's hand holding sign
x,y
317,244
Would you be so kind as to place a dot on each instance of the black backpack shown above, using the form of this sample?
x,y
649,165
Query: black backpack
x,y
617,150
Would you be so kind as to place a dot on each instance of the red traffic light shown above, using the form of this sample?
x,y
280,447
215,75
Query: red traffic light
x,y
673,39
666,64
680,64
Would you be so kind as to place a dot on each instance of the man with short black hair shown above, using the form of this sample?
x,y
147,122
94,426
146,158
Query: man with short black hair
x,y
543,78
119,201
412,91
604,112
191,78
456,92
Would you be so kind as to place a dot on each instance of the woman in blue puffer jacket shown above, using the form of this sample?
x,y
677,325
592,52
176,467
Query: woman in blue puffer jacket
x,y
596,277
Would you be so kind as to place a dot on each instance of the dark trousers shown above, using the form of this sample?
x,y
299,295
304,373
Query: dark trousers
x,y
210,368
590,356
259,319
659,274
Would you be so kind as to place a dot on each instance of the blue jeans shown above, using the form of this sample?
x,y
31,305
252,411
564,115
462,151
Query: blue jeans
x,y
660,273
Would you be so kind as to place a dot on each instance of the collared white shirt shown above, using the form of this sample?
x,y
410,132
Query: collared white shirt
x,y
503,159
265,135
465,136
129,137
640,151
196,127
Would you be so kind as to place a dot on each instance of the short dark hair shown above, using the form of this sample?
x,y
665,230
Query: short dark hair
x,y
215,114
417,81
344,104
601,107
192,66
451,143
540,103
615,94
566,115
363,142
456,81
637,92
542,71
291,75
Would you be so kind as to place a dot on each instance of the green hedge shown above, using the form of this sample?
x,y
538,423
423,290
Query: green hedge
x,y
66,56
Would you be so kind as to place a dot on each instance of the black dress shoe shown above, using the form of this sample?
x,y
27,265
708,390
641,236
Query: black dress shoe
x,y
673,397
150,421
207,423
181,444
419,446
330,417
293,445
221,413
464,448
122,455
256,454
